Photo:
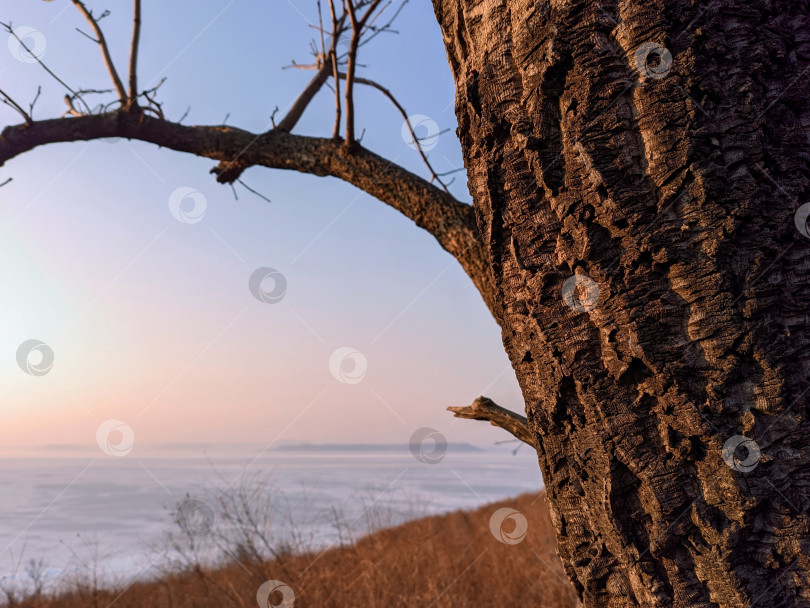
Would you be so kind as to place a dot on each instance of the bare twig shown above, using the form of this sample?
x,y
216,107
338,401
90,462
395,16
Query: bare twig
x,y
34,102
358,28
365,81
484,408
320,28
376,31
105,51
133,54
249,189
10,30
71,111
156,107
335,71
6,99
153,105
350,69
86,35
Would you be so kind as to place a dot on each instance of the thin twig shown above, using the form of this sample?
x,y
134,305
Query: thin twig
x,y
350,69
150,96
10,30
6,99
71,111
249,189
105,51
376,31
86,35
434,175
34,102
320,27
358,27
133,53
336,33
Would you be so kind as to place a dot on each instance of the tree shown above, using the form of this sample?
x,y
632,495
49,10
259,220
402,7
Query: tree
x,y
638,172
657,152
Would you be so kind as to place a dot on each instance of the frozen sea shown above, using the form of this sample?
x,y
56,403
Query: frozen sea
x,y
78,511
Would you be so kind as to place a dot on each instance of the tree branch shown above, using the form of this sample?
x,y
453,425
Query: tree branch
x,y
484,408
133,53
350,69
335,72
452,223
302,101
105,51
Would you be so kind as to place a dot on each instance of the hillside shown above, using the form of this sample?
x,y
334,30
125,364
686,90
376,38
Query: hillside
x,y
452,560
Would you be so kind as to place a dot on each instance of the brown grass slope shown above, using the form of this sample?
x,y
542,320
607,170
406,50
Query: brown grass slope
x,y
444,561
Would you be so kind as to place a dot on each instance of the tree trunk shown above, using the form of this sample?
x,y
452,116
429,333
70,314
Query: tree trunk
x,y
658,151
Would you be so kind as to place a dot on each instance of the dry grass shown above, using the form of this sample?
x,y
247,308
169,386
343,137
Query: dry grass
x,y
444,561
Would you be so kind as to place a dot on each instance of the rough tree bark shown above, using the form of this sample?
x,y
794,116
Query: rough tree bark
x,y
672,186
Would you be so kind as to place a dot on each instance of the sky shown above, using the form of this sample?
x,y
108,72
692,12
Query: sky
x,y
151,320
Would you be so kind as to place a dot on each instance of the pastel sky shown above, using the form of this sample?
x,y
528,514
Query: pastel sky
x,y
151,320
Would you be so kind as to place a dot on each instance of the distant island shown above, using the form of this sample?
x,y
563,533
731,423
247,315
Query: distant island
x,y
368,447
79,449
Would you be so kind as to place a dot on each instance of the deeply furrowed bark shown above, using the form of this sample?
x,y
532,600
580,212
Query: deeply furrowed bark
x,y
674,188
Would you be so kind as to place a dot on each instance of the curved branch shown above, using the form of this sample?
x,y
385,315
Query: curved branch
x,y
452,223
484,408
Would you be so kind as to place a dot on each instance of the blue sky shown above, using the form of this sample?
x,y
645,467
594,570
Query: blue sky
x,y
151,320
